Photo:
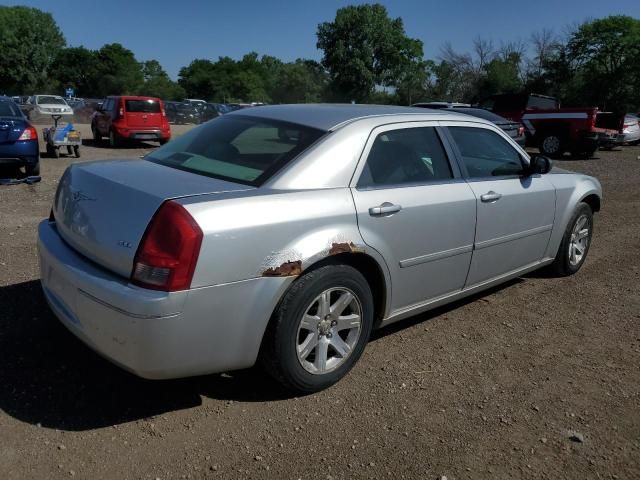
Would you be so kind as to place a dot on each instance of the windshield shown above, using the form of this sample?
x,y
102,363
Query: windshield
x,y
9,109
50,100
236,148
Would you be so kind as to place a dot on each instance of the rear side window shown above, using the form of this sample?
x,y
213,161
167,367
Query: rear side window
x,y
485,153
405,156
142,106
9,109
240,149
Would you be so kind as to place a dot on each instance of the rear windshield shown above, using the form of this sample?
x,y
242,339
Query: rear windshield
x,y
50,100
9,109
542,103
237,148
142,106
480,113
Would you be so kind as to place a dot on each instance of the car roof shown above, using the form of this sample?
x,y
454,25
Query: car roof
x,y
326,116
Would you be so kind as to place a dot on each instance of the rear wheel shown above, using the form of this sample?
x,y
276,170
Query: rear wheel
x,y
575,242
97,138
114,139
32,169
320,329
551,145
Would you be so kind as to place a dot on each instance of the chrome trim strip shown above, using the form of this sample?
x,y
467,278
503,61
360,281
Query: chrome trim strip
x,y
511,237
124,312
410,262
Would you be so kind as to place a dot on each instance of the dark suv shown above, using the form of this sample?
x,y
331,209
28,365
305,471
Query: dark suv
x,y
130,118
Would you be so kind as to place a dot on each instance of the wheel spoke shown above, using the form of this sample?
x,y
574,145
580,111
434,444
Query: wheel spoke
x,y
348,322
322,352
324,304
572,253
310,322
343,302
340,345
584,233
306,347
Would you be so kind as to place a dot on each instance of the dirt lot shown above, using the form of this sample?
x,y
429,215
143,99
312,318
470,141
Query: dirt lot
x,y
492,387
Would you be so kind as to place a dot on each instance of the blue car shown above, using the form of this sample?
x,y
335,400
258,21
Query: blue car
x,y
18,139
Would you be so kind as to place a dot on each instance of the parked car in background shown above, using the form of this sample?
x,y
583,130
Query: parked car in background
x,y
18,139
631,129
47,105
123,118
208,112
181,113
286,233
552,129
514,129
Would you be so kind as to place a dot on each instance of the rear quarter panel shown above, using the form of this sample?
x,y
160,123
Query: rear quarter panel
x,y
273,233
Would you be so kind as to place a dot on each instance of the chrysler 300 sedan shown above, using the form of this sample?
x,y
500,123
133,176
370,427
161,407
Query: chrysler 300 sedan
x,y
285,234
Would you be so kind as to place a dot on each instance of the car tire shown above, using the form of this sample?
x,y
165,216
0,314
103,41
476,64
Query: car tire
x,y
97,138
162,142
551,145
574,247
32,169
305,356
114,139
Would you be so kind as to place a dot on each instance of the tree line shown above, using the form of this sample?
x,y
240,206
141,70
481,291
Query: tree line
x,y
367,57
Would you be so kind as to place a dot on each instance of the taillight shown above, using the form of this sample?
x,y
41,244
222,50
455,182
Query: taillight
x,y
29,133
521,130
121,112
168,252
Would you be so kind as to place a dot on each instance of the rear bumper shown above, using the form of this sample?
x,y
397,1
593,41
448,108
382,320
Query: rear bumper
x,y
19,153
156,334
600,139
153,134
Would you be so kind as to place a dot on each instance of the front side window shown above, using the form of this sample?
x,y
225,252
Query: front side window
x,y
237,148
485,153
406,156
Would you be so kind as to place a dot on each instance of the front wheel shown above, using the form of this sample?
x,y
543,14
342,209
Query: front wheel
x,y
575,242
320,329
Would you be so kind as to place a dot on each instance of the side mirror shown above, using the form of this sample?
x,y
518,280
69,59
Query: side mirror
x,y
540,164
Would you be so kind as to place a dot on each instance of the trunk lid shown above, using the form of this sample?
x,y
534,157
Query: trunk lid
x,y
11,129
102,209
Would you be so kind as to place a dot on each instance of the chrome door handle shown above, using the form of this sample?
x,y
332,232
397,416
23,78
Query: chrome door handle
x,y
491,196
385,209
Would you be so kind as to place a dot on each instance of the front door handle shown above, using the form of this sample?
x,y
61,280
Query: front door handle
x,y
385,209
491,196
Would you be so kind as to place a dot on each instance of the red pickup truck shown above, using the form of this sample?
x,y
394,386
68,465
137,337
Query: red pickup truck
x,y
552,129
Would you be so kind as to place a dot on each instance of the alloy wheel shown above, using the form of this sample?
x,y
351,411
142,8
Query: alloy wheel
x,y
329,330
580,236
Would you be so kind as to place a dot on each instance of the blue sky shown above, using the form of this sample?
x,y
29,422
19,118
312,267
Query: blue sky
x,y
176,32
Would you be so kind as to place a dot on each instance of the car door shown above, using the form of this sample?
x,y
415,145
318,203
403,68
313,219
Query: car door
x,y
414,208
515,211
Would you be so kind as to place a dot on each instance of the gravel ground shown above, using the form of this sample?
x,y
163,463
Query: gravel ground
x,y
539,378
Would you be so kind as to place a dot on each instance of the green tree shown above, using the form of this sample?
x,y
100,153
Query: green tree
x,y
118,71
364,48
158,84
29,41
299,82
606,53
76,67
197,78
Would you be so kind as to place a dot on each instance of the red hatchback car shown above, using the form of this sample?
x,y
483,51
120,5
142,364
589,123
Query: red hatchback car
x,y
130,118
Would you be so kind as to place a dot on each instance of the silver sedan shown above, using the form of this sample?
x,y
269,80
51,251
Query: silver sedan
x,y
285,234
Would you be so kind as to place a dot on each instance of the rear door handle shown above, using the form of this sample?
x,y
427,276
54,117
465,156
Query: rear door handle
x,y
491,196
385,209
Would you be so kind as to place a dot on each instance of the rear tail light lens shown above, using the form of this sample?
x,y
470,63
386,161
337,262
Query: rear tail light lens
x,y
29,133
121,112
521,130
168,252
